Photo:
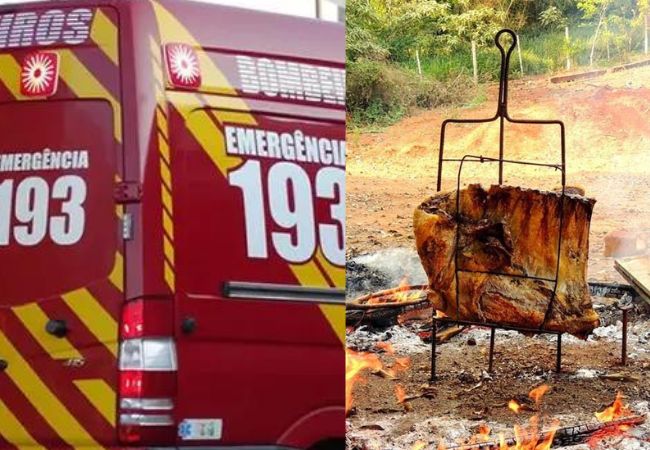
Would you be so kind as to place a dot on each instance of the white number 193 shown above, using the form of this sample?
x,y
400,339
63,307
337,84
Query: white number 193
x,y
30,206
291,206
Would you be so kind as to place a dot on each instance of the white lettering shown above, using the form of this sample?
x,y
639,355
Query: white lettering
x,y
44,160
50,27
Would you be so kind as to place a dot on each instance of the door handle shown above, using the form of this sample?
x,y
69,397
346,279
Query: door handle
x,y
58,328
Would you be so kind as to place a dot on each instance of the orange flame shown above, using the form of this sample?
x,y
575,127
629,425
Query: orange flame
x,y
615,411
355,363
537,393
403,293
529,437
514,406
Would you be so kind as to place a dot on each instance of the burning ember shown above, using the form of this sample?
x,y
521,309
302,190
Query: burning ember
x,y
616,410
403,293
355,363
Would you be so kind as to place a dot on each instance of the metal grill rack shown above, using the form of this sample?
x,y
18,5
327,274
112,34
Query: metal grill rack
x,y
502,116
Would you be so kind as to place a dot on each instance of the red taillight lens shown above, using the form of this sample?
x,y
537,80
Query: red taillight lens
x,y
131,384
133,319
183,67
147,373
39,74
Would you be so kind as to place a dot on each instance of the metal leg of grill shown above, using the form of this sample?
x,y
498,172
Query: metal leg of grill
x,y
558,355
434,331
491,360
624,343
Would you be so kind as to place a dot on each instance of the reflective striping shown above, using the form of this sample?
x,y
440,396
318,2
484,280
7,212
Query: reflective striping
x,y
42,399
211,139
336,274
162,125
167,201
91,312
102,397
170,278
35,321
104,34
335,315
83,83
117,274
10,76
13,431
168,248
163,147
168,225
161,119
308,274
166,176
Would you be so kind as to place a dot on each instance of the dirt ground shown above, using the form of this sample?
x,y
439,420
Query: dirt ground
x,y
464,397
607,149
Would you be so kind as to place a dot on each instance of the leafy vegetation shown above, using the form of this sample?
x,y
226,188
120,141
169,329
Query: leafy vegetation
x,y
405,54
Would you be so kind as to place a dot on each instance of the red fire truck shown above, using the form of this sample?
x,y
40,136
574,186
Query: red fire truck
x,y
172,217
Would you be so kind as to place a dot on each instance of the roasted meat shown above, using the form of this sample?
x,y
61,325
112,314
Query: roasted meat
x,y
507,234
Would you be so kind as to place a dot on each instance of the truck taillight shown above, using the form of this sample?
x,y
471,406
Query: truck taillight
x,y
183,67
147,380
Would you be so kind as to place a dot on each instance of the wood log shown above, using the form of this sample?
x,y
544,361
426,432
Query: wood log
x,y
513,232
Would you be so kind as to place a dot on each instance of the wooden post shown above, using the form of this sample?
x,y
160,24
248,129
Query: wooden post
x,y
417,58
521,62
645,42
607,40
568,43
474,63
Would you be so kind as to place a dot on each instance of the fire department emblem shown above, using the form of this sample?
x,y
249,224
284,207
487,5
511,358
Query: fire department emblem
x,y
40,74
183,66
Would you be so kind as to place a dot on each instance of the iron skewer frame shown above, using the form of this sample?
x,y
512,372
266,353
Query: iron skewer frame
x,y
502,116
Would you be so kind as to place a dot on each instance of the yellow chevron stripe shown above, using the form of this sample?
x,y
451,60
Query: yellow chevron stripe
x,y
168,249
170,278
43,400
168,225
308,274
210,138
10,76
84,84
104,34
35,320
167,201
13,431
335,315
101,395
117,274
163,147
162,123
94,316
166,176
336,274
